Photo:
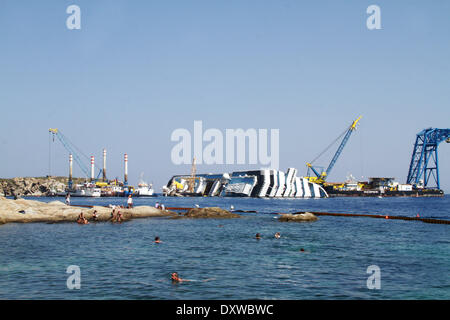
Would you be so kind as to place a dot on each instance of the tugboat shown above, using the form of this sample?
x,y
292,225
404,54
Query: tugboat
x,y
144,190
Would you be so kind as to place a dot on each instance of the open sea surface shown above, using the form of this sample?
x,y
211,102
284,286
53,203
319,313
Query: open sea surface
x,y
120,261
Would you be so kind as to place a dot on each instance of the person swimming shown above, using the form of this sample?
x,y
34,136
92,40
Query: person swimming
x,y
277,235
258,236
176,278
157,240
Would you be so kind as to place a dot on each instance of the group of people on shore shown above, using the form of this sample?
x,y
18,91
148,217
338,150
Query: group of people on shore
x,y
116,216
83,220
160,206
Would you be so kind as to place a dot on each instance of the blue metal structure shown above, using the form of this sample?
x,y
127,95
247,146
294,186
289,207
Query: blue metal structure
x,y
424,164
320,177
74,151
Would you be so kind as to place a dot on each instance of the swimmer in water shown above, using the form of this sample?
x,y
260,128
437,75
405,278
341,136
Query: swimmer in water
x,y
277,235
157,240
258,236
176,278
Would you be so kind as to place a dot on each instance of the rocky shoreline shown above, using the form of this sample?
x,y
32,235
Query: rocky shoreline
x,y
25,211
33,186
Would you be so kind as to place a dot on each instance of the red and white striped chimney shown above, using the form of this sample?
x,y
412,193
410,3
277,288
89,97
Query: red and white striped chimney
x,y
125,179
104,165
70,167
92,168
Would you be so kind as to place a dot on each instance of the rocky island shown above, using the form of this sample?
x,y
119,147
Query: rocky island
x,y
34,186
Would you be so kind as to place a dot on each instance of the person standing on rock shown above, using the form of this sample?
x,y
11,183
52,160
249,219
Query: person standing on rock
x,y
130,202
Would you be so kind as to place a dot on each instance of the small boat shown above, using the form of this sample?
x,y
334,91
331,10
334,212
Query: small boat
x,y
144,190
86,190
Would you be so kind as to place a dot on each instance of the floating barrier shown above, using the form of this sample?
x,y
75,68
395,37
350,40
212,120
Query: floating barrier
x,y
426,220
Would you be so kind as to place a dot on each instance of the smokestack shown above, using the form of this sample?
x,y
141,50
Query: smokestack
x,y
104,165
125,179
70,170
92,169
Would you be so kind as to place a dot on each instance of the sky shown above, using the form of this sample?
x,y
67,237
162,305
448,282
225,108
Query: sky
x,y
138,70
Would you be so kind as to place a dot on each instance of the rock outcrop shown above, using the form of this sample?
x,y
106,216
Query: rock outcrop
x,y
32,186
298,217
22,210
211,212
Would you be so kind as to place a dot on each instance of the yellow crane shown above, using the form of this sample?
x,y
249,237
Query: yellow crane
x,y
321,177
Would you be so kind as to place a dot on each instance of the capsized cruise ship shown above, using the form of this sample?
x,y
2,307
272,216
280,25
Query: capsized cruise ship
x,y
264,183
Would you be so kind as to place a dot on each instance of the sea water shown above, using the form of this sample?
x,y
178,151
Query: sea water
x,y
120,261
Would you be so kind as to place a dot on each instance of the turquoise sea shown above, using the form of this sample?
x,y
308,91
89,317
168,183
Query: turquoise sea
x,y
120,261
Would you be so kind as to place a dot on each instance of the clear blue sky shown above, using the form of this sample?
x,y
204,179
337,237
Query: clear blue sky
x,y
137,70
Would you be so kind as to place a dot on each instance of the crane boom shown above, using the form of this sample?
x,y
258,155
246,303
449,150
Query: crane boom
x,y
321,177
342,145
72,149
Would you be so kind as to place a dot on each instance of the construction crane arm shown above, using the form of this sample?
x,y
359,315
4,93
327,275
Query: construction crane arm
x,y
310,166
320,177
342,145
71,148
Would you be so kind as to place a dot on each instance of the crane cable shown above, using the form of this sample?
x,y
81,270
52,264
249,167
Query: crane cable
x,y
78,150
329,146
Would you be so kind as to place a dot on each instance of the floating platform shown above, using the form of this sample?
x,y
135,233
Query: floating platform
x,y
387,193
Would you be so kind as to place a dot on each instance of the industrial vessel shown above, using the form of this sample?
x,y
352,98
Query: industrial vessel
x,y
264,183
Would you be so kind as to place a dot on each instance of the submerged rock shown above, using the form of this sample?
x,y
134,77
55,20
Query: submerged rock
x,y
298,217
211,212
